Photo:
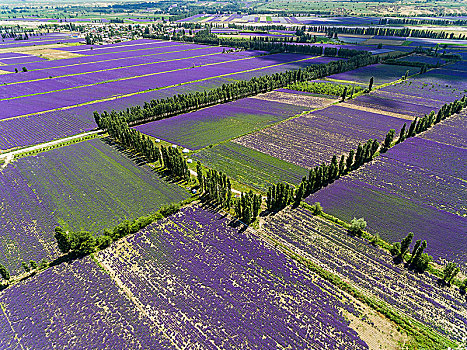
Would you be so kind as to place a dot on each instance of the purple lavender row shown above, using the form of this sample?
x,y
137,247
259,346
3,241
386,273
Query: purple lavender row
x,y
371,268
31,104
206,281
46,314
21,43
394,216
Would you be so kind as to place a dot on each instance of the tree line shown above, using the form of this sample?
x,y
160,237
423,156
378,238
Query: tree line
x,y
323,88
259,43
399,32
168,157
413,21
418,260
216,187
183,103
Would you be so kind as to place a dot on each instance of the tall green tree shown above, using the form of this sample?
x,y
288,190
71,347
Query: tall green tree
x,y
388,140
357,226
370,84
4,273
63,240
405,244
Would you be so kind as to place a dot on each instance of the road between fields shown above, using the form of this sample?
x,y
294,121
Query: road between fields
x,y
8,157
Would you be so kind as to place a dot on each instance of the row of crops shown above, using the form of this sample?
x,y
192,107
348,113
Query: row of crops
x,y
118,76
191,279
86,186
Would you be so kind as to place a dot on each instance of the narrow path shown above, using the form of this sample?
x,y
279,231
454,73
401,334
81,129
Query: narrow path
x,y
8,159
8,156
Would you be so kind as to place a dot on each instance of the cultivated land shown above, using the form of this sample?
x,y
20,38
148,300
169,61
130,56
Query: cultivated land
x,y
58,97
84,186
189,216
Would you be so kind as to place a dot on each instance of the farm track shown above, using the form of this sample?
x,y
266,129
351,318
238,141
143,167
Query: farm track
x,y
10,155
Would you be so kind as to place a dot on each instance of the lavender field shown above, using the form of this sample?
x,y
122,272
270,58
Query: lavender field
x,y
452,131
384,102
46,313
382,73
210,283
314,138
139,210
222,122
86,186
372,269
104,74
418,186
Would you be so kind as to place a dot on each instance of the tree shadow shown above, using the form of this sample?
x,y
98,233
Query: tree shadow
x,y
137,158
397,260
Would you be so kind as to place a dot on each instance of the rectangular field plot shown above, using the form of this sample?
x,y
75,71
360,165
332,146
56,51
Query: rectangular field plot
x,y
96,82
212,125
382,73
418,186
423,59
86,186
371,269
310,101
198,275
314,138
383,102
250,167
452,131
74,305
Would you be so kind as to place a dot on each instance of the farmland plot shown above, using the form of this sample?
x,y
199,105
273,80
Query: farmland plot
x,y
208,283
292,97
385,103
441,84
418,186
382,73
423,59
372,269
86,186
452,131
314,138
250,167
211,125
75,306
